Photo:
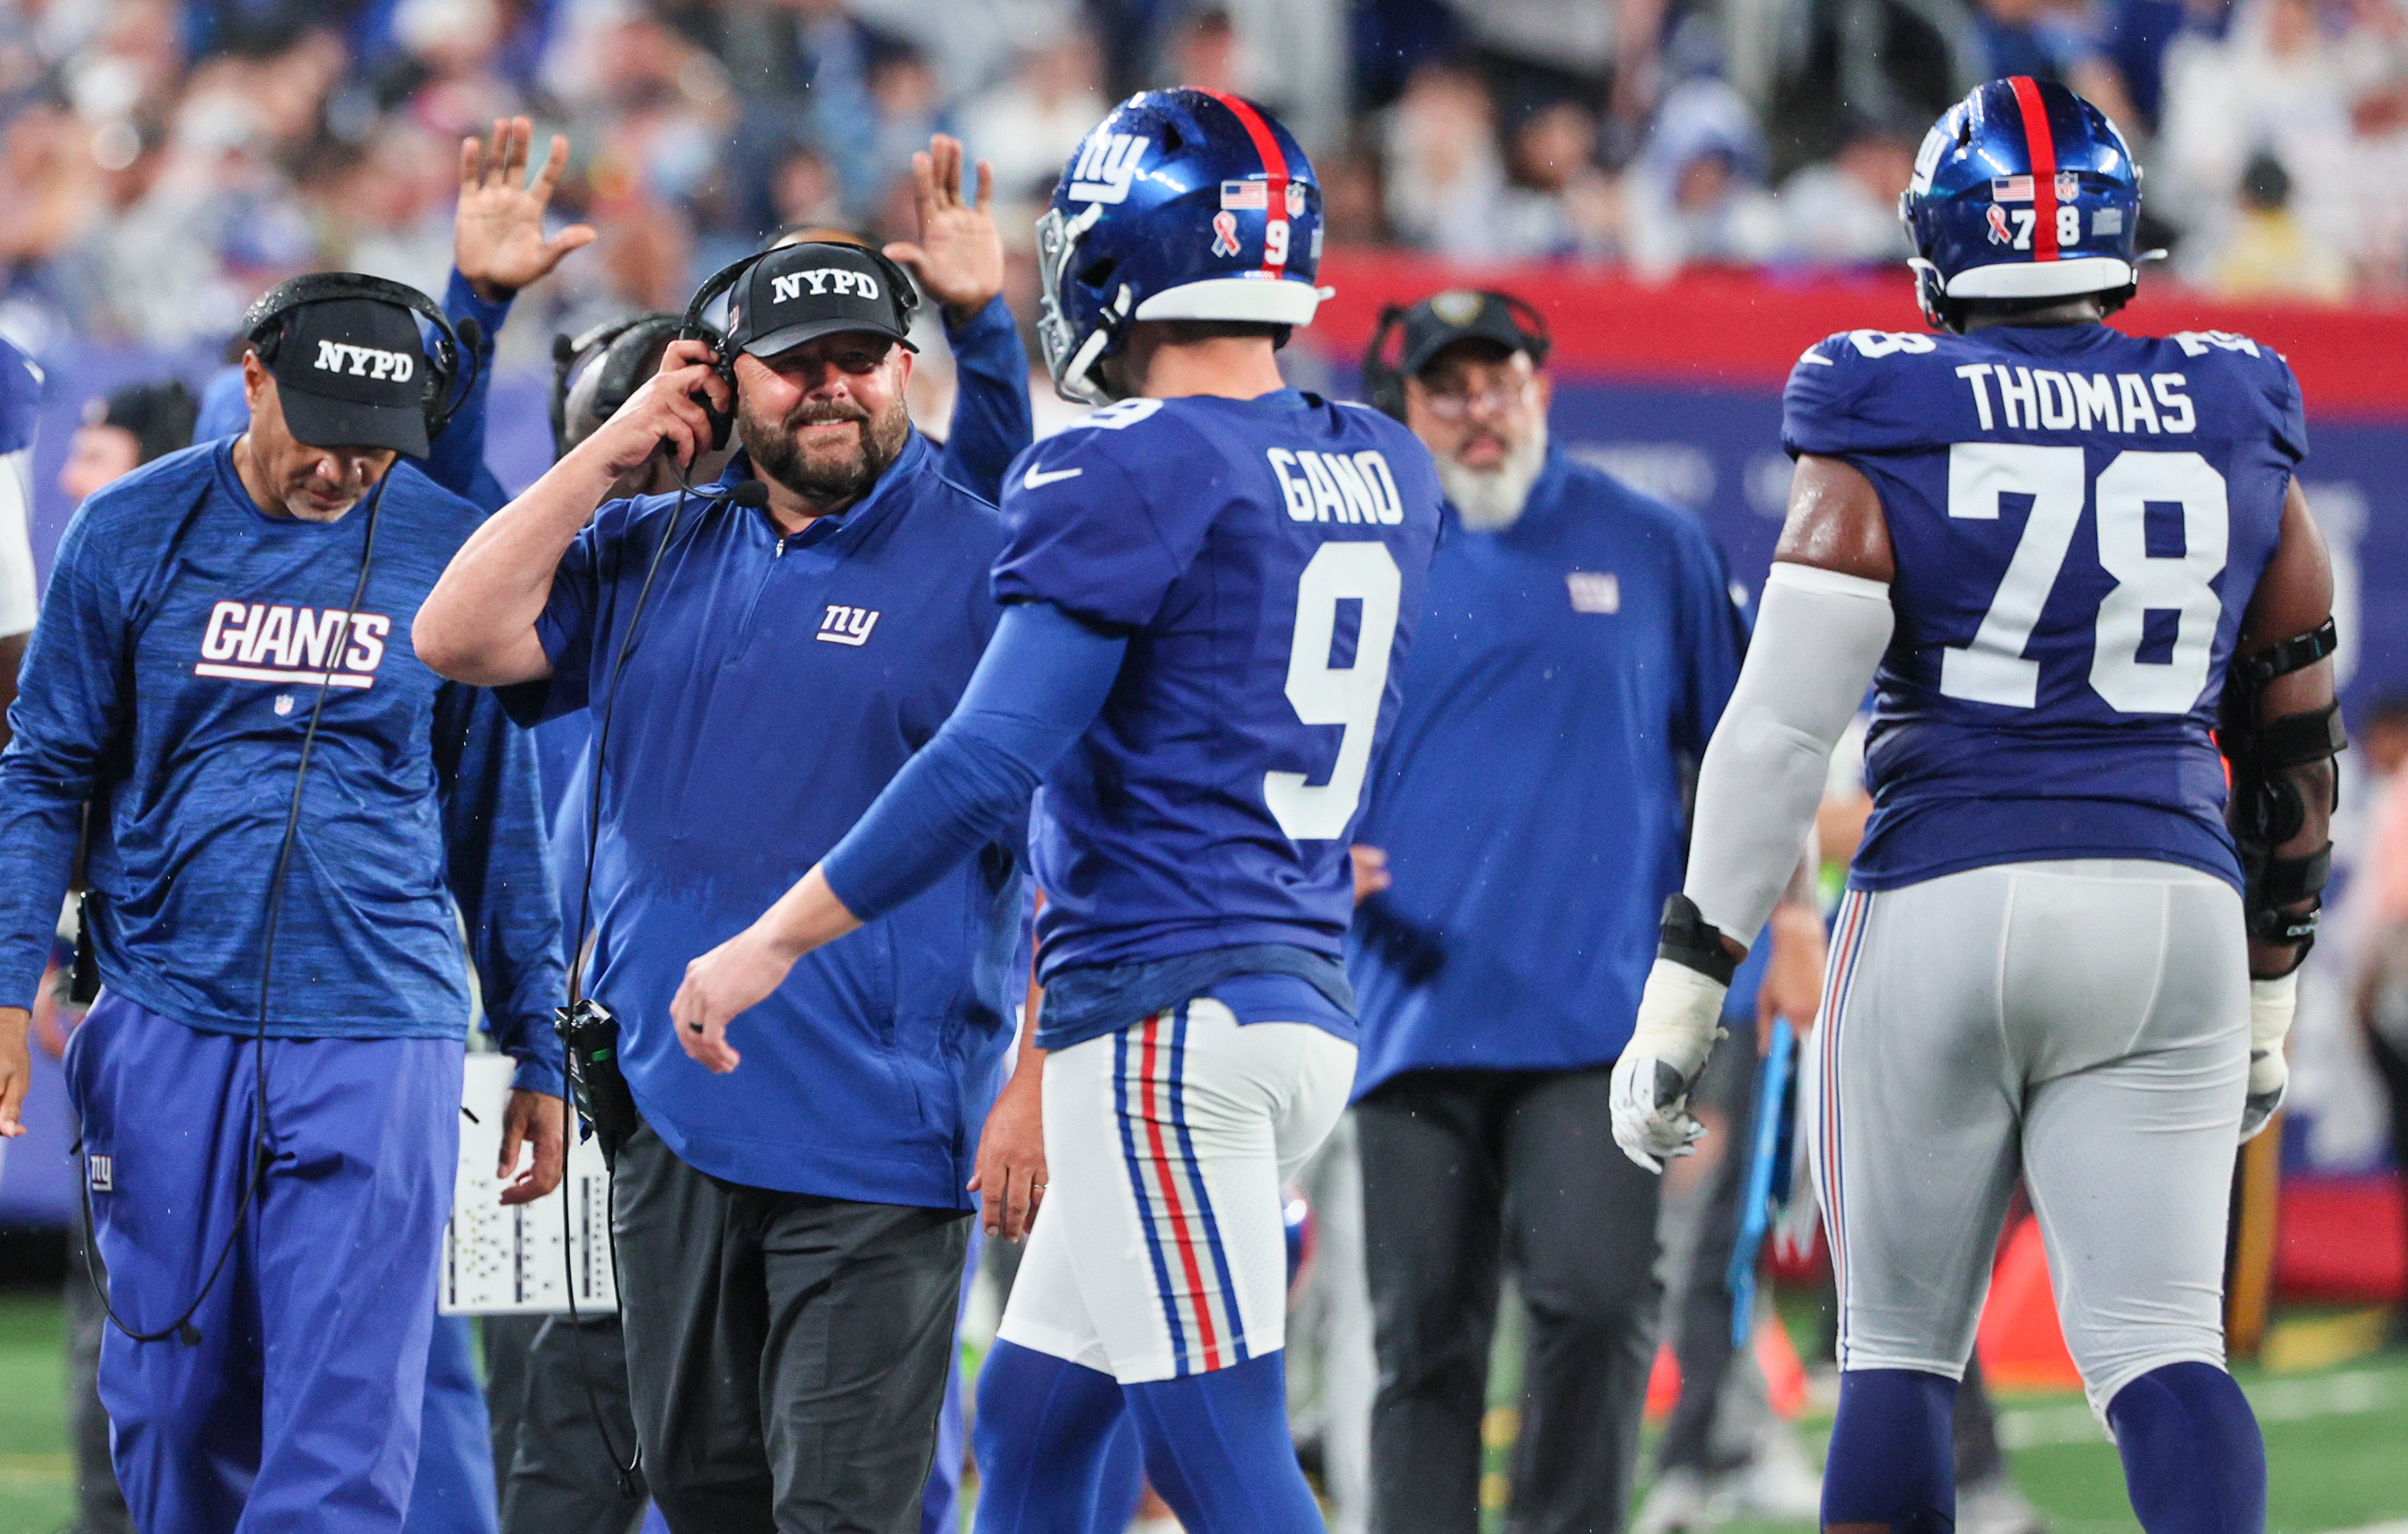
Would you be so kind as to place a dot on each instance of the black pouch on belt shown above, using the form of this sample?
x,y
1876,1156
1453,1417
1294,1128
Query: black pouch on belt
x,y
589,1036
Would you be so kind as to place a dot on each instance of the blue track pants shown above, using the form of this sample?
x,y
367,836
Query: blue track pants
x,y
299,1408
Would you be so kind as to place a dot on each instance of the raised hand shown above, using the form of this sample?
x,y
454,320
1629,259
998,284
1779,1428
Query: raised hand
x,y
959,259
497,236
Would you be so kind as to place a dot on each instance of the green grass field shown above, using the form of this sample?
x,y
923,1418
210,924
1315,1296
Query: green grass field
x,y
2336,1441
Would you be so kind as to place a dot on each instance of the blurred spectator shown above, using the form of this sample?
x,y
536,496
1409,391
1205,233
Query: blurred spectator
x,y
160,163
1445,177
1561,204
2272,84
46,186
908,105
1844,211
1352,204
1027,126
1608,48
124,431
803,190
2382,986
396,200
2267,253
1696,193
2053,39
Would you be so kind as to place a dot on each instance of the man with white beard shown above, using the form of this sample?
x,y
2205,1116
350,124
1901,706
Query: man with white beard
x,y
1524,829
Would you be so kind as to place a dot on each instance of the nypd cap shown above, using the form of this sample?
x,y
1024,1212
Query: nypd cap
x,y
352,373
800,293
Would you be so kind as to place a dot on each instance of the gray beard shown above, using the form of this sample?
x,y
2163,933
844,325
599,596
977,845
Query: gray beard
x,y
1491,499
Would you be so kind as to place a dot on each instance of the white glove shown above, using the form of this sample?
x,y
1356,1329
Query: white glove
x,y
1680,1016
2271,1004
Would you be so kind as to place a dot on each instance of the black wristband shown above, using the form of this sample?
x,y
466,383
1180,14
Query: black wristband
x,y
1688,938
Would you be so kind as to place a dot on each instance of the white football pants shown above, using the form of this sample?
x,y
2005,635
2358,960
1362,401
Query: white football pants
x,y
2081,1024
1159,1251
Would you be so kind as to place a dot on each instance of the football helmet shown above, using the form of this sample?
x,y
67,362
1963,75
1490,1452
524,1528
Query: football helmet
x,y
1182,205
2023,190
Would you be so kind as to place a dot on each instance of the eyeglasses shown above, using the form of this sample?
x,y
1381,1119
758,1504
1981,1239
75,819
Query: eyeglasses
x,y
1496,400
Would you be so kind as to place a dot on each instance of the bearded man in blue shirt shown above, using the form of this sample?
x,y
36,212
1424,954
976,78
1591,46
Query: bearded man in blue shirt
x,y
1524,825
759,660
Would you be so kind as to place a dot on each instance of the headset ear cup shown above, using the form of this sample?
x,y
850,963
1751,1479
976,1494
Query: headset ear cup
x,y
722,422
1384,386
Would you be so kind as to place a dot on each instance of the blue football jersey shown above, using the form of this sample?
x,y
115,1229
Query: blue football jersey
x,y
1267,559
2079,518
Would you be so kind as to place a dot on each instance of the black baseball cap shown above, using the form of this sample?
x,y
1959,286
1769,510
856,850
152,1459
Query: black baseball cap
x,y
352,373
1468,314
800,293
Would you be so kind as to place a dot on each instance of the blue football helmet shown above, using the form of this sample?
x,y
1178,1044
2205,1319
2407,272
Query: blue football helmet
x,y
2023,190
1182,205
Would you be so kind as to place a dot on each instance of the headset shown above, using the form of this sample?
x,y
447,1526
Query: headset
x,y
455,350
621,346
1384,382
694,327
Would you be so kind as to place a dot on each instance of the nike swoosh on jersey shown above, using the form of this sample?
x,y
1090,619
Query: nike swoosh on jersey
x,y
1036,478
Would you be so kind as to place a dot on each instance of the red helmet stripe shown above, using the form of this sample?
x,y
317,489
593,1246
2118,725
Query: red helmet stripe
x,y
1274,169
2043,165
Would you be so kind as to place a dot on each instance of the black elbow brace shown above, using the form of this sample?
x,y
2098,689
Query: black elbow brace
x,y
2267,807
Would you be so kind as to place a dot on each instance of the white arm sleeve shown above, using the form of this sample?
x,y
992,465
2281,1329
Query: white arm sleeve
x,y
1818,636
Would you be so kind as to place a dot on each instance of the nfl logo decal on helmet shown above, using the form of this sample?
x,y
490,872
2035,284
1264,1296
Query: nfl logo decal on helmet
x,y
2023,190
1182,205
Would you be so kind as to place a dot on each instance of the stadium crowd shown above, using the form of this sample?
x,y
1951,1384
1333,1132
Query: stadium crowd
x,y
165,162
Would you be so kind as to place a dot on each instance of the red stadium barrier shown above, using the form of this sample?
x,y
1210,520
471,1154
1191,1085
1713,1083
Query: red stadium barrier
x,y
1746,328
2341,1239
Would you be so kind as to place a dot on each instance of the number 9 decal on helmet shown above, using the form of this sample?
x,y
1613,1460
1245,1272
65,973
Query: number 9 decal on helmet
x,y
1182,205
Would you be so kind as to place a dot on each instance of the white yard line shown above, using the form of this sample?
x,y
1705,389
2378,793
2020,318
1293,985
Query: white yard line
x,y
2275,1400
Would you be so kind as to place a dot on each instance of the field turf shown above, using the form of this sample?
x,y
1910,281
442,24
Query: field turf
x,y
2336,1439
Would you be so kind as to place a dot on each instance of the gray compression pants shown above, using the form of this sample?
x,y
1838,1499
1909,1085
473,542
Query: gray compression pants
x,y
2083,1025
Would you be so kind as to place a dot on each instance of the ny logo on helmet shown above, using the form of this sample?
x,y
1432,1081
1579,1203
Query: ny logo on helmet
x,y
1106,164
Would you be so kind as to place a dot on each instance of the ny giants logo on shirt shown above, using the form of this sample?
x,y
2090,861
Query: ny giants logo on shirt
x,y
258,641
364,362
847,625
1337,486
1594,591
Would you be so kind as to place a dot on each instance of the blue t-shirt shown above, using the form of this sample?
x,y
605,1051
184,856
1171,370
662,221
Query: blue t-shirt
x,y
1529,801
169,682
776,684
1266,558
2079,519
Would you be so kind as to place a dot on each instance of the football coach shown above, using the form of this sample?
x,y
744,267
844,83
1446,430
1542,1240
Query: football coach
x,y
1522,830
291,821
789,1238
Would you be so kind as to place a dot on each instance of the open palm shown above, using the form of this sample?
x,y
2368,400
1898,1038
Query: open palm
x,y
497,238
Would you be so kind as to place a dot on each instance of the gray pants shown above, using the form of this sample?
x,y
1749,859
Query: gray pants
x,y
787,1354
2083,1025
1465,1172
556,1470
